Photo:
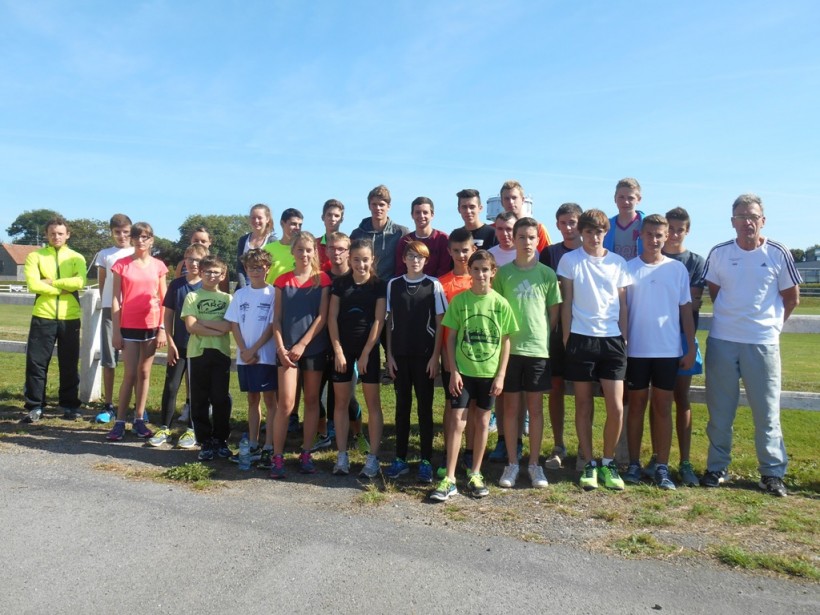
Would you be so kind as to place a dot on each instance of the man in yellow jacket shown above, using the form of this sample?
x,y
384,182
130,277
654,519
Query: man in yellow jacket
x,y
55,274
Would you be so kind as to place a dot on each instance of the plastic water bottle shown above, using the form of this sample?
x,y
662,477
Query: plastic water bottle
x,y
244,453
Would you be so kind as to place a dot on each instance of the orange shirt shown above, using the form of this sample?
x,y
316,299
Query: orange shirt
x,y
453,284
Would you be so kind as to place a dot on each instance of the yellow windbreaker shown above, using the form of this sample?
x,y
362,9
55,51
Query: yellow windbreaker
x,y
59,300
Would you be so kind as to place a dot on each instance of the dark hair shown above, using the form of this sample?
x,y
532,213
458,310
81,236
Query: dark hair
x,y
138,228
212,260
289,213
506,216
482,255
468,193
330,204
119,221
568,208
366,244
679,214
422,200
460,235
527,222
380,192
58,221
256,256
593,218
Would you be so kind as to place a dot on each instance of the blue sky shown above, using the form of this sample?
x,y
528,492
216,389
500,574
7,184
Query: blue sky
x,y
163,109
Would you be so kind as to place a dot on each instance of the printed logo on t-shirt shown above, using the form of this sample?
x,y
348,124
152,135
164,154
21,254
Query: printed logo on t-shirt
x,y
481,338
524,290
212,306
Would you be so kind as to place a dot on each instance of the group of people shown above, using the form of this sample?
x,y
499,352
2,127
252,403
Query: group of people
x,y
501,313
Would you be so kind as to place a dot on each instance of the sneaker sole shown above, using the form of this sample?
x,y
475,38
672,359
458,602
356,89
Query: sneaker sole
x,y
442,498
340,472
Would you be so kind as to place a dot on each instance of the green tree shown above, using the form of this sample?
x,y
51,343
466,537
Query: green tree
x,y
89,236
167,251
29,228
225,232
798,255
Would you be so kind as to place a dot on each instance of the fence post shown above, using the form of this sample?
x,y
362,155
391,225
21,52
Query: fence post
x,y
90,346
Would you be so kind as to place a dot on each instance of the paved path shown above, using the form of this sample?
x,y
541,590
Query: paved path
x,y
75,539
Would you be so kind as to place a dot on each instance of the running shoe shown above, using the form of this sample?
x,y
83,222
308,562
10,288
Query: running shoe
x,y
555,461
476,486
206,451
509,476
493,428
662,480
187,440
266,459
221,449
519,451
107,415
117,433
278,468
499,454
589,477
610,477
144,420
185,417
773,485
687,475
322,440
371,467
633,474
425,474
342,467
141,430
444,491
537,478
714,478
398,468
72,414
331,430
255,453
649,470
160,437
306,465
361,444
33,416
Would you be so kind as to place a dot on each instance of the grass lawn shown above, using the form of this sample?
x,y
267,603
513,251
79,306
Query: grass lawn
x,y
737,525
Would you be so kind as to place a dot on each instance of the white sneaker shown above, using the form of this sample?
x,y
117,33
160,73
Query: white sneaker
x,y
342,467
556,459
185,417
371,467
509,476
537,478
187,440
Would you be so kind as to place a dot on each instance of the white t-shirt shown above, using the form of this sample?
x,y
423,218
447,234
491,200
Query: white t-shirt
x,y
502,257
653,302
749,308
252,308
106,258
595,284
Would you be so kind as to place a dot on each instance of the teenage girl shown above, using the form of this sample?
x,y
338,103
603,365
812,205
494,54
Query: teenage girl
x,y
299,319
260,220
137,316
357,310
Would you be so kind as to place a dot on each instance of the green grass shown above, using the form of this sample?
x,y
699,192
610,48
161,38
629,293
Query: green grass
x,y
641,545
738,557
196,475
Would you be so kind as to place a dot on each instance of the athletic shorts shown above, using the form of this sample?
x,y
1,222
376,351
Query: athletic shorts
x,y
108,355
595,358
474,389
557,353
661,372
697,366
373,375
138,335
314,363
257,378
528,374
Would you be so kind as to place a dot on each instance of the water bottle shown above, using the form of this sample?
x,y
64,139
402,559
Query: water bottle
x,y
244,453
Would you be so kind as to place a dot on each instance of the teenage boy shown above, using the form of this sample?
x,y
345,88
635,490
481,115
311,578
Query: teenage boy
x,y
251,316
594,316
177,334
209,353
461,247
333,214
674,248
55,274
504,251
291,222
512,199
422,211
659,289
566,220
382,231
470,208
532,291
120,228
480,322
624,234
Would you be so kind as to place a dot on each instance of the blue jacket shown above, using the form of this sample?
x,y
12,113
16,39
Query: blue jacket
x,y
609,238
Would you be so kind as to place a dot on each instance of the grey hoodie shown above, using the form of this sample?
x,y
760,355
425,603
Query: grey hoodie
x,y
384,243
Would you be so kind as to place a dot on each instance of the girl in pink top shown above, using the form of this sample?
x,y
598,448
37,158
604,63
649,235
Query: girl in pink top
x,y
137,316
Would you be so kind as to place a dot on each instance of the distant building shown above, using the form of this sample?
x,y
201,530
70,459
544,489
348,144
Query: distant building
x,y
12,259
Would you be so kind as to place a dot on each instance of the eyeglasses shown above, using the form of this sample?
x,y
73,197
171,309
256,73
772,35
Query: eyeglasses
x,y
747,217
338,250
142,237
212,274
257,268
415,257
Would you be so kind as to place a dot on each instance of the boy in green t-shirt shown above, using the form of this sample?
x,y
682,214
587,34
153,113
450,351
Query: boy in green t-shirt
x,y
481,321
209,354
532,292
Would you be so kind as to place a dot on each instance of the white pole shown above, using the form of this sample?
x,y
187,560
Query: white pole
x,y
90,346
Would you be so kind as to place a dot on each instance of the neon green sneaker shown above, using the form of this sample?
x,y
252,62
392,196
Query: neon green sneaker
x,y
160,437
361,444
611,478
187,440
589,477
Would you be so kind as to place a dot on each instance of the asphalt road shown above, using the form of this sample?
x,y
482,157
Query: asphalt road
x,y
75,539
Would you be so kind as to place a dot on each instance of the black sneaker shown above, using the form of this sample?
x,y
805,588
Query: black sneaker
x,y
33,416
714,478
206,452
266,460
221,449
72,414
773,486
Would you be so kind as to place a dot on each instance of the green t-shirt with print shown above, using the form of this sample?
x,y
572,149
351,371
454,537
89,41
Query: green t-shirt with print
x,y
207,305
530,293
480,322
